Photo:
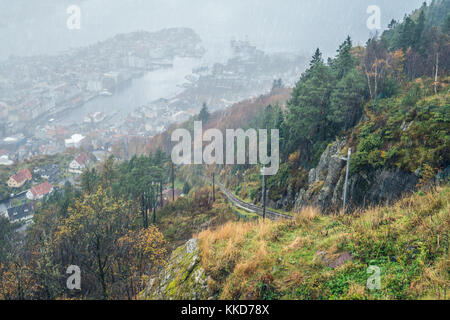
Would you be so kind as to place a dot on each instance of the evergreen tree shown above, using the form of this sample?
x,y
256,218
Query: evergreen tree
x,y
393,24
346,102
204,113
306,119
344,61
317,57
277,84
418,40
407,34
89,179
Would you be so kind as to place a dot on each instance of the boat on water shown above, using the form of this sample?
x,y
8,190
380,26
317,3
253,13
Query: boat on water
x,y
106,93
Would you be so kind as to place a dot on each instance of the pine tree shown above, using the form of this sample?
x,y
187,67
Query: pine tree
x,y
407,34
344,61
346,102
306,119
277,84
317,57
418,41
393,24
204,113
89,179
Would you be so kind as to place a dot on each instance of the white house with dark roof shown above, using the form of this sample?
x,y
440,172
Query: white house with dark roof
x,y
79,163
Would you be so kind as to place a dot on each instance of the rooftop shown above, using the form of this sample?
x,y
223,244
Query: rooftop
x,y
20,212
22,175
41,189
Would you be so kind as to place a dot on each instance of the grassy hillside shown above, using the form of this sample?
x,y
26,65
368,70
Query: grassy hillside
x,y
327,257
180,220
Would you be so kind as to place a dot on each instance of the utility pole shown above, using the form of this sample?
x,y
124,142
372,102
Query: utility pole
x,y
349,154
160,193
154,198
173,183
145,207
264,192
214,189
154,207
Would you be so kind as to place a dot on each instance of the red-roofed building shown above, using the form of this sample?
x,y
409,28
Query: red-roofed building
x,y
19,179
39,191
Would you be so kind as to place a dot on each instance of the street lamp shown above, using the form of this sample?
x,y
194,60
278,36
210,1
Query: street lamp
x,y
349,154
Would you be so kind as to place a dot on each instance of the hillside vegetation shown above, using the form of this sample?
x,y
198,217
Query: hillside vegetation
x,y
327,257
388,101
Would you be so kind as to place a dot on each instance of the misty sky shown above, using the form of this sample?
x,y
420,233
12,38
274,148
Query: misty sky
x,y
29,27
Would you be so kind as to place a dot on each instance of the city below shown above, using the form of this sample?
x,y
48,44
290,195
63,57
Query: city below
x,y
134,85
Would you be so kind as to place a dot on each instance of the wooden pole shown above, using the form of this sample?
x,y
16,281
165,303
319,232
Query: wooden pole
x,y
160,193
143,208
213,188
173,183
154,204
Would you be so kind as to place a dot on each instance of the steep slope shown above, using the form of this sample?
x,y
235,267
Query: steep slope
x,y
236,116
397,147
329,257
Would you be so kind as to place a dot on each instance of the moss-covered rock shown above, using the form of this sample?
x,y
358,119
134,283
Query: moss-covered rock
x,y
183,278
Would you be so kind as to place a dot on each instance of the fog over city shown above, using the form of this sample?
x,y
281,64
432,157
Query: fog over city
x,y
29,27
95,73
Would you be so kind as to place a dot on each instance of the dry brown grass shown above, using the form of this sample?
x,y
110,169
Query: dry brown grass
x,y
356,291
238,254
306,215
221,253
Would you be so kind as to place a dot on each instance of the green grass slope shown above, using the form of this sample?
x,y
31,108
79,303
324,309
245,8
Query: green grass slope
x,y
327,257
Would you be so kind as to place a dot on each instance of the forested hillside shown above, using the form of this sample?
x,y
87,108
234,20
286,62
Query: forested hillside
x,y
389,101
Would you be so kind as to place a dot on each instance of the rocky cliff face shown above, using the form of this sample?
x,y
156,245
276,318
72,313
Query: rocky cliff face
x,y
326,183
182,278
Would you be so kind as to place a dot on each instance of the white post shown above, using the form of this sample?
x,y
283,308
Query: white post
x,y
346,178
263,200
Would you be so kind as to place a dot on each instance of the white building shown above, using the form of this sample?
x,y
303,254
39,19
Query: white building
x,y
79,163
39,191
74,141
4,160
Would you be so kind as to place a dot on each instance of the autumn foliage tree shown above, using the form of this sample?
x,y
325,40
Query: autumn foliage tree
x,y
98,237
